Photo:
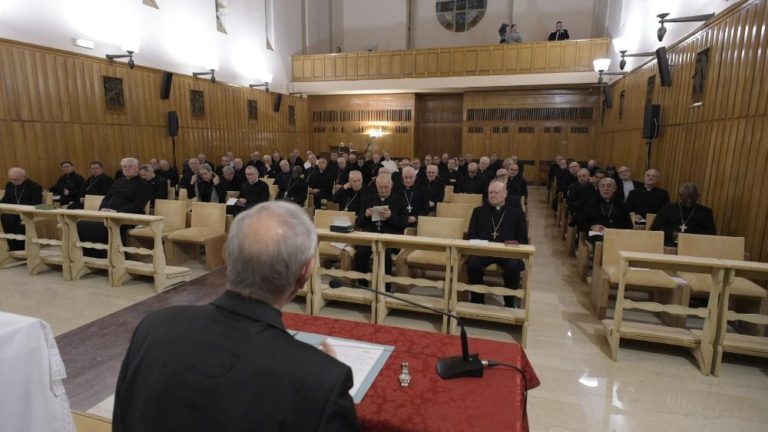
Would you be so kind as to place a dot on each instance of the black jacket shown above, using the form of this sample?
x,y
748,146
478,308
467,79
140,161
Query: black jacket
x,y
228,366
172,174
293,190
349,199
642,201
159,189
128,195
558,36
472,185
254,193
74,183
610,214
698,220
511,223
27,193
394,225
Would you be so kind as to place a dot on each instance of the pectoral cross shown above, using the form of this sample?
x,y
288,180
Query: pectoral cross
x,y
495,234
409,208
285,195
378,225
683,227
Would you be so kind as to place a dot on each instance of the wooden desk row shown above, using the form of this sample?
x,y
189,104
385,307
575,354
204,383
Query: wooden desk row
x,y
319,293
42,252
709,343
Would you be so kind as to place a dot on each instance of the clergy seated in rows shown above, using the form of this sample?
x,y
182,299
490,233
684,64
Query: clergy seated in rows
x,y
433,188
225,161
239,170
497,222
98,183
554,170
342,176
518,185
483,169
158,185
70,187
648,198
568,177
463,165
579,193
256,161
284,174
169,172
561,173
320,181
186,179
208,186
685,216
452,174
592,166
350,196
252,191
415,198
128,194
294,159
294,188
381,212
513,190
625,184
442,165
472,183
605,211
23,191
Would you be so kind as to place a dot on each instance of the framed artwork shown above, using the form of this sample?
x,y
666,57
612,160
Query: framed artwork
x,y
114,96
197,102
253,110
649,89
699,78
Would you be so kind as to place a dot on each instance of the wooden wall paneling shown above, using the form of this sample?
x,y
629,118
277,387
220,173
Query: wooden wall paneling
x,y
510,58
385,65
759,97
373,65
362,66
539,57
554,60
397,64
432,57
339,64
569,56
409,64
420,64
524,58
297,70
483,60
444,62
471,61
458,61
329,70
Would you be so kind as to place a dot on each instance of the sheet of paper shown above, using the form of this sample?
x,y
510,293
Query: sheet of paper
x,y
478,241
679,280
376,216
232,201
595,233
339,246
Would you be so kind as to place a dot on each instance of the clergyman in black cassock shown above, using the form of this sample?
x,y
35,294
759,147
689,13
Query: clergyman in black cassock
x,y
686,216
496,222
70,187
606,211
23,191
350,196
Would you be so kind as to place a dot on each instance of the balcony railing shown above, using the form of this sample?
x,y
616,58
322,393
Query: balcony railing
x,y
506,59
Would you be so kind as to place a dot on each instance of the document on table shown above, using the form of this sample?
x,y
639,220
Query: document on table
x,y
594,233
376,216
365,359
231,201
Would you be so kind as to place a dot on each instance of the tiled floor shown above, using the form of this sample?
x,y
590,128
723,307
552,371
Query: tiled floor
x,y
651,388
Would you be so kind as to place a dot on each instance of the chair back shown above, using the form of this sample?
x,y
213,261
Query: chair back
x,y
92,202
649,218
2,193
48,198
174,212
456,210
209,215
448,193
709,246
616,240
440,227
272,191
268,180
183,194
462,198
324,218
233,194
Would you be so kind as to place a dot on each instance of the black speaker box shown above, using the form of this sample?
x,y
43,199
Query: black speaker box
x,y
165,91
278,101
652,121
173,123
608,99
665,76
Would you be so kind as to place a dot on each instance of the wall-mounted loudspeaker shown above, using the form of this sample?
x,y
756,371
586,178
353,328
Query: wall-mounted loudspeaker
x,y
173,124
165,91
278,101
665,76
652,121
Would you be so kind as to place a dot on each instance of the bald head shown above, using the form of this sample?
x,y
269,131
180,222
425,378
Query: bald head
x,y
17,175
384,185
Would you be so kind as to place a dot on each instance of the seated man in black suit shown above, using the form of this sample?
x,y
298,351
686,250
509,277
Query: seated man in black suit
x,y
381,212
625,184
579,193
158,184
350,196
648,198
231,365
473,182
293,188
129,194
607,211
686,216
559,34
416,202
433,188
70,186
252,191
23,191
494,221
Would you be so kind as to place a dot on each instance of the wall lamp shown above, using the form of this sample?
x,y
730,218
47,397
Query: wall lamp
x,y
211,72
663,19
131,50
266,79
623,62
601,65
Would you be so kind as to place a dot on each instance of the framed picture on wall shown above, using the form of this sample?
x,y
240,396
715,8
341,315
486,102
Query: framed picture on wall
x,y
197,102
699,78
253,110
114,96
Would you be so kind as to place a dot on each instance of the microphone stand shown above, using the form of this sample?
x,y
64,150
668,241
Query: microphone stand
x,y
465,365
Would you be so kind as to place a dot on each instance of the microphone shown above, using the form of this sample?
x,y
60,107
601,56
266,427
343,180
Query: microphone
x,y
465,365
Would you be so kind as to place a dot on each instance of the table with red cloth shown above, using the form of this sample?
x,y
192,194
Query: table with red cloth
x,y
491,403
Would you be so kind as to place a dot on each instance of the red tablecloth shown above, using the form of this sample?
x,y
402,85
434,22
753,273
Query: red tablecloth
x,y
491,403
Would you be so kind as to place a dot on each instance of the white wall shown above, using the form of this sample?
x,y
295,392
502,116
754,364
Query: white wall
x,y
318,30
636,22
180,37
373,22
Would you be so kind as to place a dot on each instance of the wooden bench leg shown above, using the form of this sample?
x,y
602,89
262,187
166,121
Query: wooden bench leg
x,y
214,252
